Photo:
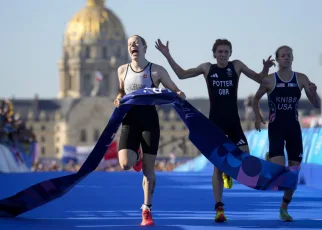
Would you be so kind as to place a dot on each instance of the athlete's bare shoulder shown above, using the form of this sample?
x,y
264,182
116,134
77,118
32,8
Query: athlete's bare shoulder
x,y
300,75
238,66
157,70
122,68
268,80
205,66
236,62
121,71
157,67
269,76
302,79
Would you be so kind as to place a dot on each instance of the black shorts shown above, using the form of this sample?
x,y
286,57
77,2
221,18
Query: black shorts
x,y
285,134
233,130
141,126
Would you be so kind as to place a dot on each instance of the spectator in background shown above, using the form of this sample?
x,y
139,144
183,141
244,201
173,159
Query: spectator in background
x,y
13,131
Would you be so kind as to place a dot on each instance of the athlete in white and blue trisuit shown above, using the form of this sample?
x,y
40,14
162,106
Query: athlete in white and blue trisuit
x,y
141,124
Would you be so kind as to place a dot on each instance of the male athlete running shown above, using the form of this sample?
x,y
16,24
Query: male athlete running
x,y
283,89
222,80
141,124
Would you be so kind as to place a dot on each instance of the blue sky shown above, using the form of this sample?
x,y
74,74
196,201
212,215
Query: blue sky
x,y
33,30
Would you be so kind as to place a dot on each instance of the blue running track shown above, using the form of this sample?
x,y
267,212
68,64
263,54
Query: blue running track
x,y
182,201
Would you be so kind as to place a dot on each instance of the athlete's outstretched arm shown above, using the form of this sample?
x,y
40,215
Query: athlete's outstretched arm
x,y
258,77
120,72
167,82
310,90
263,88
180,72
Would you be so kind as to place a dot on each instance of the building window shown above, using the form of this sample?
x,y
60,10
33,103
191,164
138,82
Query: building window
x,y
173,127
43,127
57,139
96,135
83,137
118,51
74,52
69,82
43,139
87,52
43,150
57,150
104,52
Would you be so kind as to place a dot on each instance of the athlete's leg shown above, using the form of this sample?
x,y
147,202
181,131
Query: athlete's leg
x,y
148,184
127,158
128,145
150,144
227,180
288,194
294,148
217,179
276,155
217,188
244,148
236,135
276,145
276,151
220,180
149,178
217,185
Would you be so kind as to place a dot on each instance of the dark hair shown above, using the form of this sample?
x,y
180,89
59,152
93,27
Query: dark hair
x,y
282,47
142,39
220,42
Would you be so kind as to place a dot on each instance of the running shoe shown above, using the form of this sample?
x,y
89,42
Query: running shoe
x,y
228,181
220,215
146,216
284,216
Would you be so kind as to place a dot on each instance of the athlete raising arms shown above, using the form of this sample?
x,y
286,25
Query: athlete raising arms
x,y
283,89
141,124
222,80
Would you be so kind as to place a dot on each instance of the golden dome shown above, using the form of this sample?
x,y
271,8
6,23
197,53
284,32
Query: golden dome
x,y
94,22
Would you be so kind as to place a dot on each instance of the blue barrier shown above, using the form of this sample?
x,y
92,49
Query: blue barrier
x,y
310,175
197,164
258,144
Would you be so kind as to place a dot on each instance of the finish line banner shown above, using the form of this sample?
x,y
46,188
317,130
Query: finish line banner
x,y
211,141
